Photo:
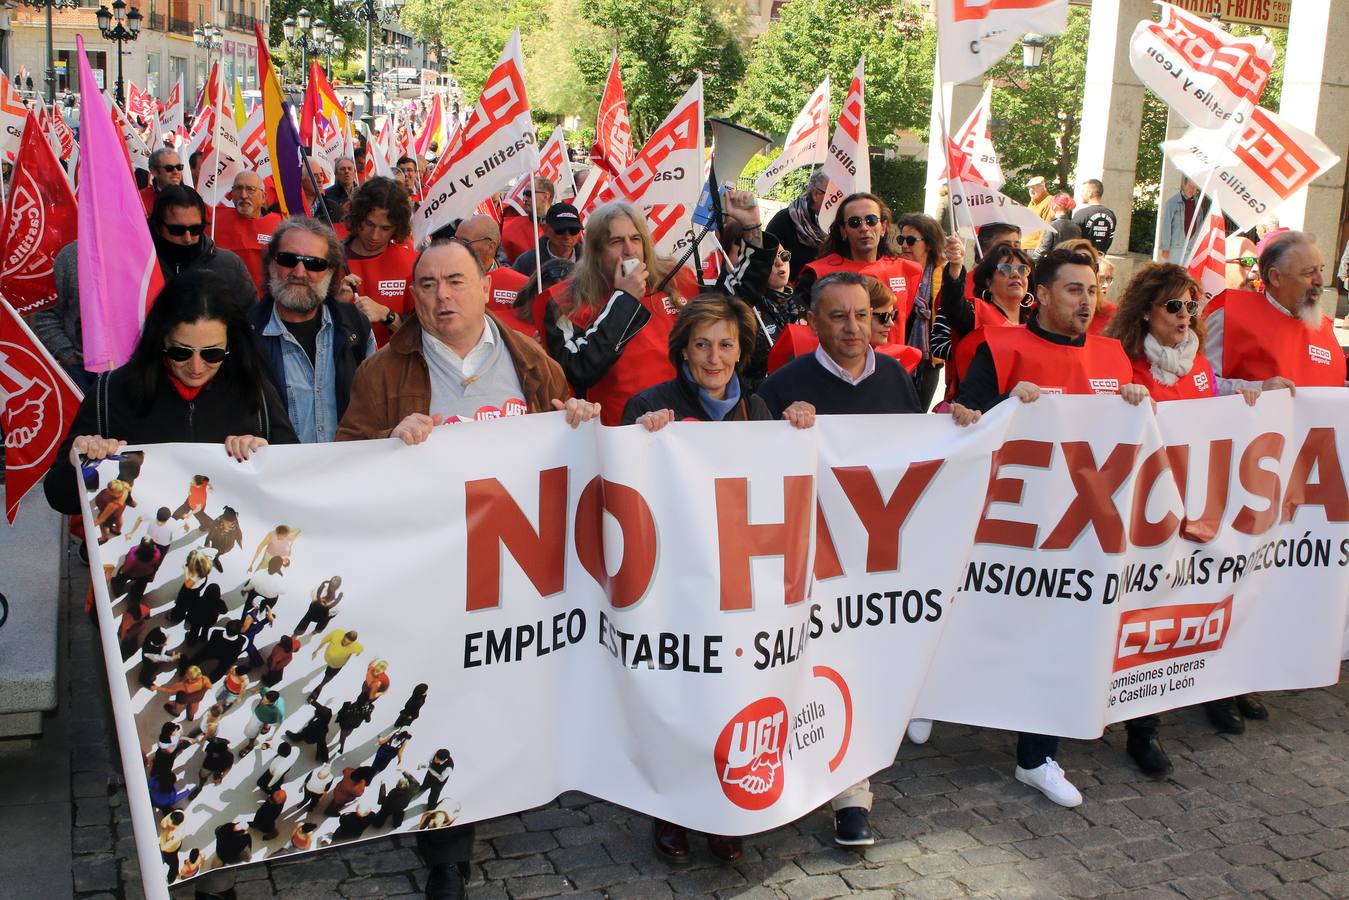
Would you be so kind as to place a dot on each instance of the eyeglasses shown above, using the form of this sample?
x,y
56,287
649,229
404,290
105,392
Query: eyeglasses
x,y
1010,269
180,230
871,220
1247,261
311,263
908,240
174,168
1107,280
468,243
247,189
181,353
784,256
884,318
1174,306
569,232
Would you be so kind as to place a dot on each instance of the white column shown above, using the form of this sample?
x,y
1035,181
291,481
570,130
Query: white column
x,y
1112,109
1315,98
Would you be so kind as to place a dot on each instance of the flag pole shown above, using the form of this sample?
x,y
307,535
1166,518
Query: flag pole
x,y
215,134
1198,208
534,210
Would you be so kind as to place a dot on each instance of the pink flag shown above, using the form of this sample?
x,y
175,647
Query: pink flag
x,y
119,274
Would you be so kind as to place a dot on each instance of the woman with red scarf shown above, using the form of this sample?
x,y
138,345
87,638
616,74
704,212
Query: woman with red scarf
x,y
194,377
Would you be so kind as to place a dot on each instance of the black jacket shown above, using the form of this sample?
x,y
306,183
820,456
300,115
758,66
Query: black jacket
x,y
681,395
215,414
350,341
205,256
783,228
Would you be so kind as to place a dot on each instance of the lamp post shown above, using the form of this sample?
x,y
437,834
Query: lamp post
x,y
1032,50
120,26
372,14
49,5
333,43
304,32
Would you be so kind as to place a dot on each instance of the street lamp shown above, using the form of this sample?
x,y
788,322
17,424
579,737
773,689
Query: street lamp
x,y
304,32
1032,50
371,14
49,5
333,43
208,38
120,26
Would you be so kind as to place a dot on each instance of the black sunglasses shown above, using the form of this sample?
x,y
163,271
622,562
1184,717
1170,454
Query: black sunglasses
x,y
174,168
908,240
311,263
871,219
785,256
180,230
1174,306
569,232
212,356
885,318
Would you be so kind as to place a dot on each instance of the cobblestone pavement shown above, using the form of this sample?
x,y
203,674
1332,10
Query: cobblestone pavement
x,y
1264,814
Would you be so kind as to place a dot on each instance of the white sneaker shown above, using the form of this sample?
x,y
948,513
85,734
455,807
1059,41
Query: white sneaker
x,y
1049,780
919,730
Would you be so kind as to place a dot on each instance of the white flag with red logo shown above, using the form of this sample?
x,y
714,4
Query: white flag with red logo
x,y
139,102
171,118
1208,261
1256,169
253,143
223,160
1209,77
555,165
496,145
40,220
971,152
976,205
806,142
613,150
974,34
377,162
12,116
37,406
847,164
136,148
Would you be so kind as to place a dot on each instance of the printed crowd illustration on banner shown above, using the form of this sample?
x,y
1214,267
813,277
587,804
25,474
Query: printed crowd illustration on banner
x,y
752,612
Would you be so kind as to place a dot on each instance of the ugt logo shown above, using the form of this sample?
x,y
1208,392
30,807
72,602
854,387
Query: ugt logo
x,y
748,754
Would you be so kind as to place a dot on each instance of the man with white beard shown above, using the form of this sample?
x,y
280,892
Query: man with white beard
x,y
311,343
1281,332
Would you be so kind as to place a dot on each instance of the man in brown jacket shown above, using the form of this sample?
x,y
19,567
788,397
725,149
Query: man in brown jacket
x,y
453,361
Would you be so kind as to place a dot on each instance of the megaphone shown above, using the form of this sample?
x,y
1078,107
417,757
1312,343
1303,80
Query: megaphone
x,y
732,148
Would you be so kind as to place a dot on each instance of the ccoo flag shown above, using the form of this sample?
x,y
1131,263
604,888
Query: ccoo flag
x,y
283,141
974,34
848,165
40,220
118,270
806,141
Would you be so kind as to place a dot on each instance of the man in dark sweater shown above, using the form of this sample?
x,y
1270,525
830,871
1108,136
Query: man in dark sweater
x,y
844,375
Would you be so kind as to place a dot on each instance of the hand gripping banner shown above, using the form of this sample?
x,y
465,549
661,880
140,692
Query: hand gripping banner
x,y
752,613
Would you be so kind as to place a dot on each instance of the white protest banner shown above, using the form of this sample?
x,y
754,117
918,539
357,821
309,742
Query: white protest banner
x,y
1266,161
495,145
976,205
1209,77
848,163
974,34
806,144
752,612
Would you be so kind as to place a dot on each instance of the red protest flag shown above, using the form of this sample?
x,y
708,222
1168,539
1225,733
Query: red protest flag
x,y
40,220
39,404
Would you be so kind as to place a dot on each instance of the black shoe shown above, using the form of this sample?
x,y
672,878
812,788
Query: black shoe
x,y
851,828
1225,716
1150,757
1251,707
444,883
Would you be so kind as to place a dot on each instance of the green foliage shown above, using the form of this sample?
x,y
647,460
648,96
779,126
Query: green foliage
x,y
338,18
662,45
472,32
815,37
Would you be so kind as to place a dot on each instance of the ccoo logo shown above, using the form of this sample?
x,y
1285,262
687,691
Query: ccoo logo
x,y
748,754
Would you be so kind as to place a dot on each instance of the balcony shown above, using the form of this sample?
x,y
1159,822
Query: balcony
x,y
240,22
156,22
181,26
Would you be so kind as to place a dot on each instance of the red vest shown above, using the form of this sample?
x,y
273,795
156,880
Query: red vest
x,y
1199,383
644,361
906,356
1260,342
248,238
986,315
901,276
1019,354
503,287
386,279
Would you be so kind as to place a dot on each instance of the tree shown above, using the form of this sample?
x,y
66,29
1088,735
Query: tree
x,y
662,45
818,37
338,18
473,32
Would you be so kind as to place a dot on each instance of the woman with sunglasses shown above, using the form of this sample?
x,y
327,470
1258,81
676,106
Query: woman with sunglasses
x,y
194,377
922,240
1004,286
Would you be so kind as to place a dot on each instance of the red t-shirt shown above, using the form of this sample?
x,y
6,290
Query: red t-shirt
x,y
518,235
246,237
385,278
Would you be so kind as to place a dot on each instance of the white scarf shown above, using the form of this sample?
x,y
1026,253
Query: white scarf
x,y
1170,364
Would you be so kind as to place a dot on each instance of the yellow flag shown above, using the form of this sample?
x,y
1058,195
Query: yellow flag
x,y
240,110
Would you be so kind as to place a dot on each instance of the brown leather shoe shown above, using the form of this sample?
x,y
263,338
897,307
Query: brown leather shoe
x,y
726,849
671,841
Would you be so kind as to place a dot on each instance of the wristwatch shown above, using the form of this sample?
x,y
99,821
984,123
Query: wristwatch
x,y
390,319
